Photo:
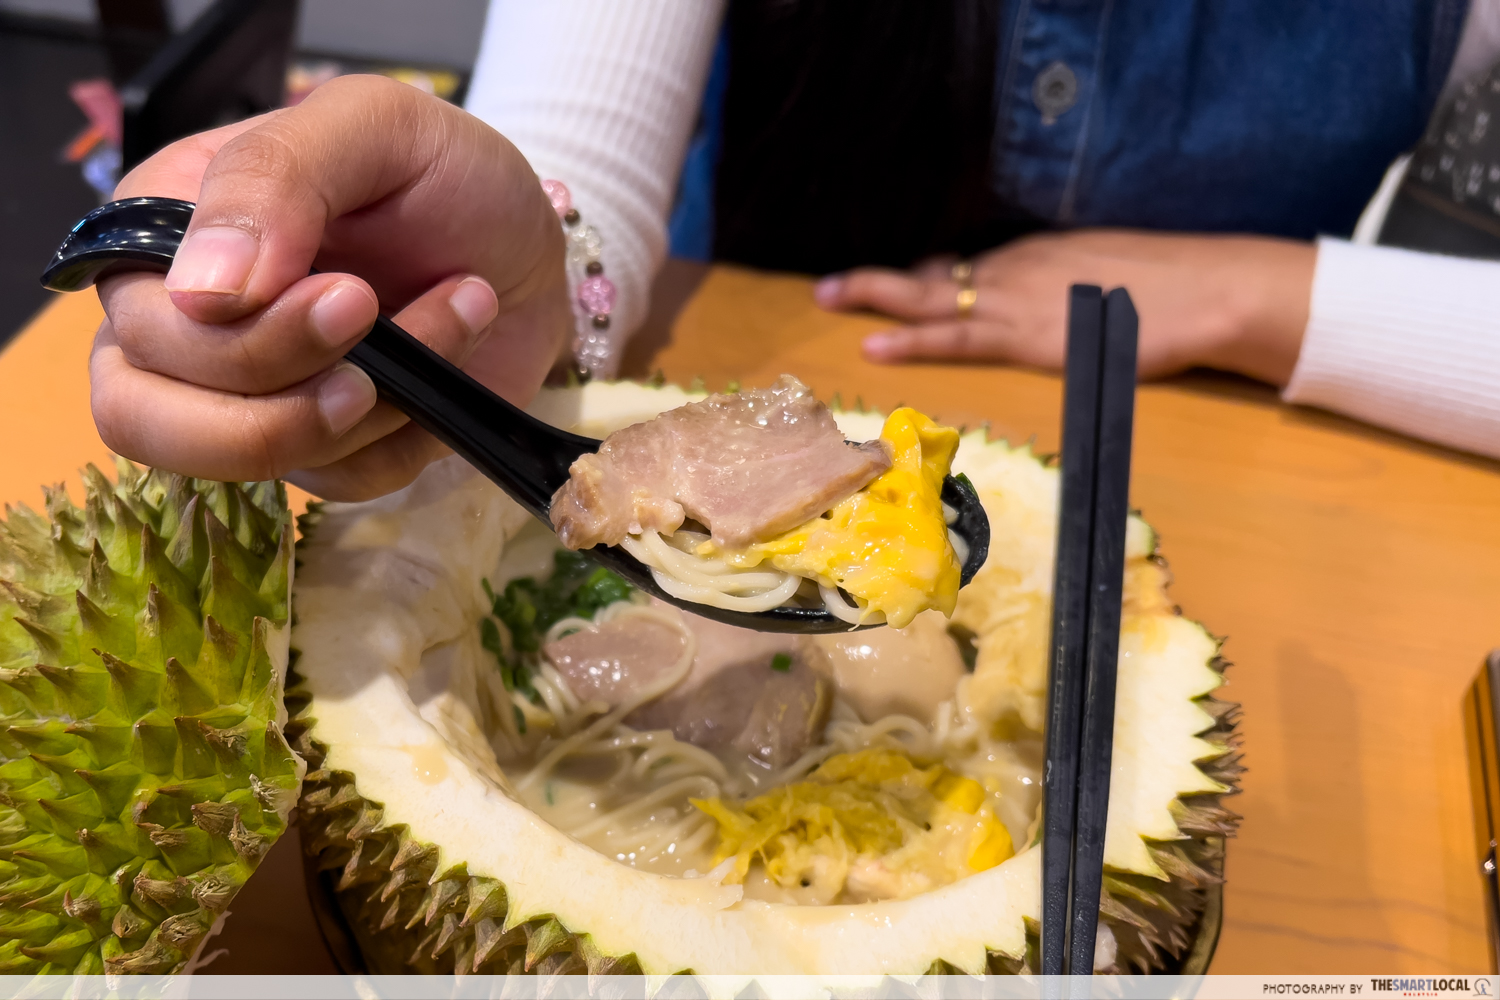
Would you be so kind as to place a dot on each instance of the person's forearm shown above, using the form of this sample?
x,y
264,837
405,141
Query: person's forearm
x,y
1406,340
602,95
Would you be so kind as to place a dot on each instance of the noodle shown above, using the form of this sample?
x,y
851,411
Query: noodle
x,y
833,601
567,626
555,693
661,685
682,786
710,580
628,793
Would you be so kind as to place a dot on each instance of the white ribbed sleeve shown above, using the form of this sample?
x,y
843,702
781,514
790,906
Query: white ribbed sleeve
x,y
602,95
1405,340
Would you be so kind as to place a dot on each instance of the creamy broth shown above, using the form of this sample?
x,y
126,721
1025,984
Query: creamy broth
x,y
620,776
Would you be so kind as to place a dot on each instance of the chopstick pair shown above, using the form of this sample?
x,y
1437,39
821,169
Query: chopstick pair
x,y
1098,417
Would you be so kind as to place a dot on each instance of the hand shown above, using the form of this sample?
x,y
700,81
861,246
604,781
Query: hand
x,y
230,367
1238,303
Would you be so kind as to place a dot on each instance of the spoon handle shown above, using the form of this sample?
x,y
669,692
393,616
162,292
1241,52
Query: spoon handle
x,y
525,457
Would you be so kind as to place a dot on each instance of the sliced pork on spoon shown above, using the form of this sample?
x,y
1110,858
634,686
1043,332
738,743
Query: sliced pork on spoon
x,y
746,465
754,500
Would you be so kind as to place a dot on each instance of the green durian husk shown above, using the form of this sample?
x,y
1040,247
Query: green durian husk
x,y
143,767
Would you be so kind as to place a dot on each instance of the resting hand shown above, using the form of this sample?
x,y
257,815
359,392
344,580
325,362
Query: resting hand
x,y
229,368
1229,302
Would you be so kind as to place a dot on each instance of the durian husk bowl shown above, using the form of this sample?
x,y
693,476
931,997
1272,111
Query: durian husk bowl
x,y
393,897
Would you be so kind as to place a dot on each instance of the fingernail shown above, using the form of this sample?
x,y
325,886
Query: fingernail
x,y
345,396
342,313
216,259
826,292
881,344
475,302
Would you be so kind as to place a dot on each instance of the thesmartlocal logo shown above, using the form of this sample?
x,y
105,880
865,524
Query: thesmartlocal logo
x,y
1431,986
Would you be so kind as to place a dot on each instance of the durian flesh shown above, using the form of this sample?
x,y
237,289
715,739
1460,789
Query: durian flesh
x,y
143,771
439,867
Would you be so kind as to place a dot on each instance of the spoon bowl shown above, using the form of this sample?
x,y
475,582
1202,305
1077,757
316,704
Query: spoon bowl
x,y
524,456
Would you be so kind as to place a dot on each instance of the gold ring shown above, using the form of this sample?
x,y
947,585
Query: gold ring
x,y
966,299
963,273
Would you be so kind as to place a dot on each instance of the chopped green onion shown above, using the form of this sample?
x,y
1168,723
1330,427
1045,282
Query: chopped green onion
x,y
489,636
527,609
781,662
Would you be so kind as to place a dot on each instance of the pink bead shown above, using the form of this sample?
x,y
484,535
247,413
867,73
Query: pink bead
x,y
560,196
597,295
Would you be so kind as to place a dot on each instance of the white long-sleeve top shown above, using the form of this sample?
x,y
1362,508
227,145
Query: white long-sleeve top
x,y
603,95
1406,340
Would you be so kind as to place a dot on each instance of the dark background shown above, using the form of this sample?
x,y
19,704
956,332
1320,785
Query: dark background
x,y
47,44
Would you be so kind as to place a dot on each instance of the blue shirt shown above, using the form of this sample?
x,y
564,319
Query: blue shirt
x,y
1259,116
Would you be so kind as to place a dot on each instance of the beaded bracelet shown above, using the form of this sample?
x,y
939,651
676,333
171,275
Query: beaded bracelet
x,y
593,293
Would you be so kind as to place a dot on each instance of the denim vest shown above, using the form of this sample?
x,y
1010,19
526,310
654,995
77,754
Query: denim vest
x,y
1261,116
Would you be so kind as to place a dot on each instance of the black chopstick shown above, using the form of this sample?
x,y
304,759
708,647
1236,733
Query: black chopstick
x,y
1098,419
1075,531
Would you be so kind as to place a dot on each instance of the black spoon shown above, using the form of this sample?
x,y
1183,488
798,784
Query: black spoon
x,y
525,457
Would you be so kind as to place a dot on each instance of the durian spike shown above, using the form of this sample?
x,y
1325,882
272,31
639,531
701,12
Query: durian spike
x,y
545,939
160,572
227,549
100,630
229,600
124,551
188,547
62,512
103,586
167,629
114,786
486,901
133,691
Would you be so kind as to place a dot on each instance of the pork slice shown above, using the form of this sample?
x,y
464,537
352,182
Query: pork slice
x,y
623,489
618,660
722,647
788,716
709,715
771,715
748,465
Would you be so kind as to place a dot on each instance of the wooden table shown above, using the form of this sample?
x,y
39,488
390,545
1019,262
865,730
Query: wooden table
x,y
1356,574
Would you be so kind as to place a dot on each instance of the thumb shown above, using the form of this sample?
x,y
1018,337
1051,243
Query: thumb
x,y
269,191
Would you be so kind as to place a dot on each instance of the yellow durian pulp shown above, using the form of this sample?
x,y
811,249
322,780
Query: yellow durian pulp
x,y
869,822
886,545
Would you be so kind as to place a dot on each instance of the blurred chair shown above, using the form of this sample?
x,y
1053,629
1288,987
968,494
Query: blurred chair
x,y
228,64
132,31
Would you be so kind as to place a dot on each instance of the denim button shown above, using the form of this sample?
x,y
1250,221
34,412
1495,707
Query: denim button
x,y
1055,91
